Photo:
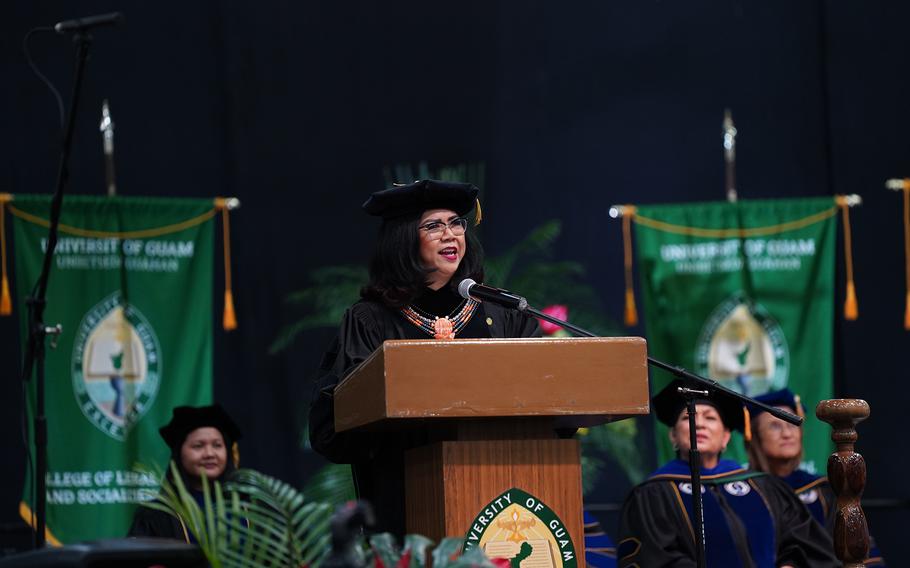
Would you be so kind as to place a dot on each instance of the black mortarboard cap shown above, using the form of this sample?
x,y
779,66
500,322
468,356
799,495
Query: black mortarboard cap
x,y
668,403
421,195
188,418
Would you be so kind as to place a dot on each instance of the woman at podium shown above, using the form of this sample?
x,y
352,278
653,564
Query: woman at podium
x,y
750,518
425,248
777,449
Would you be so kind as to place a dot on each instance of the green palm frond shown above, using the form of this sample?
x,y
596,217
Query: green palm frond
x,y
330,291
414,553
332,484
538,244
619,440
252,521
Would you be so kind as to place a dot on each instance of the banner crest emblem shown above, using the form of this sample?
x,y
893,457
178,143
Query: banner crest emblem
x,y
116,366
742,346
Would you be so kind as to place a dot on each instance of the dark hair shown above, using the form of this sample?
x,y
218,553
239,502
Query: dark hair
x,y
396,274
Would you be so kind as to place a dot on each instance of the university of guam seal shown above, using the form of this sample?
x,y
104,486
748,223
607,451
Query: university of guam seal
x,y
116,366
743,347
517,526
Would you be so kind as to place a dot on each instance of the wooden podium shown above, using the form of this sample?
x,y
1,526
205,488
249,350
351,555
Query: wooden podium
x,y
492,408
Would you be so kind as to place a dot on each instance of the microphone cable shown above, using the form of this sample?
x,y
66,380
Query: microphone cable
x,y
44,79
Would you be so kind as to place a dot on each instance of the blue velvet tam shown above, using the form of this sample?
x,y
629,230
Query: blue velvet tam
x,y
783,397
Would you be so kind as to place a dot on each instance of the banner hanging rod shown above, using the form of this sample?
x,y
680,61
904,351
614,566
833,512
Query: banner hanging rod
x,y
852,200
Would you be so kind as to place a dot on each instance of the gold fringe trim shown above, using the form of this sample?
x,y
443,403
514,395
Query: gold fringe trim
x,y
141,234
29,517
478,213
721,233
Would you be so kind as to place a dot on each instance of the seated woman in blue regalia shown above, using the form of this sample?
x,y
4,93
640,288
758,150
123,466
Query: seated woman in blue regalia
x,y
750,518
777,448
600,552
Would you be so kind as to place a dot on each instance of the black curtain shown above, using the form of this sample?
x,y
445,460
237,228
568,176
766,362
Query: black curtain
x,y
296,108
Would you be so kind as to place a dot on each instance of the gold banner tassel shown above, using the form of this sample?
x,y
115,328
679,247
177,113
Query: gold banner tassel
x,y
631,313
6,302
906,189
747,425
229,321
851,306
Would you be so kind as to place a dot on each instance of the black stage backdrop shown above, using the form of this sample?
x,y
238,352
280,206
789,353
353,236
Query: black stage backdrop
x,y
296,107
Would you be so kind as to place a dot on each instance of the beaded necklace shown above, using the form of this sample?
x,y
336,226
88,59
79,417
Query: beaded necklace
x,y
442,327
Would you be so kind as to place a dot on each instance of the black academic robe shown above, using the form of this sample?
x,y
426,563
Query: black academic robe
x,y
751,520
155,523
378,459
818,496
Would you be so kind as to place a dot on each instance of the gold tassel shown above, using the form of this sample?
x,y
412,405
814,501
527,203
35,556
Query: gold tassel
x,y
230,317
851,306
478,213
6,302
235,454
631,314
907,250
851,310
229,320
747,427
799,407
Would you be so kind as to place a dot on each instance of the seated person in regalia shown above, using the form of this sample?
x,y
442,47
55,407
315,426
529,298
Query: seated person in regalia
x,y
751,519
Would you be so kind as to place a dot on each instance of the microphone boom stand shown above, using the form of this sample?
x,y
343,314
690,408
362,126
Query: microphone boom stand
x,y
690,394
36,302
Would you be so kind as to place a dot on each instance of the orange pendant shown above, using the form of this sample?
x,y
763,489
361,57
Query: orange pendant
x,y
444,329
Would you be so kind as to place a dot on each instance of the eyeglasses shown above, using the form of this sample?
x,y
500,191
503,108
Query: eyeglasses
x,y
779,426
435,229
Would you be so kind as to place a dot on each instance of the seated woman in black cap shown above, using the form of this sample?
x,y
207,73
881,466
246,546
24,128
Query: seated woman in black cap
x,y
424,249
202,439
776,448
750,518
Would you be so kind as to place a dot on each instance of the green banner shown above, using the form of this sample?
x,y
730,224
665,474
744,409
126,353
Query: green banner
x,y
131,284
743,294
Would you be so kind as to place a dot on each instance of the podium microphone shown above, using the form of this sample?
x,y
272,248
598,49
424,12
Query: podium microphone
x,y
88,22
474,291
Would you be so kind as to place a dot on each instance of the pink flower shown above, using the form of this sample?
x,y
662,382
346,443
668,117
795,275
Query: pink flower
x,y
559,311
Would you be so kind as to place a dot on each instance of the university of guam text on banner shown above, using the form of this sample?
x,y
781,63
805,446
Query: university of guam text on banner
x,y
743,293
131,283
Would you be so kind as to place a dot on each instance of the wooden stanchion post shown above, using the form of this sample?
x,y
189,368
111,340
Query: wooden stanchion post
x,y
847,475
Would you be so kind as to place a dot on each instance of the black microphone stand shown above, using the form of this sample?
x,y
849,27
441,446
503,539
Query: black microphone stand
x,y
691,395
36,302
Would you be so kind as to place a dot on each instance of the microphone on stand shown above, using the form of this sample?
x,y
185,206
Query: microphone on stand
x,y
88,22
469,289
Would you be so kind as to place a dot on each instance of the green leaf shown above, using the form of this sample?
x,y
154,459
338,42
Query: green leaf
x,y
332,484
384,546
